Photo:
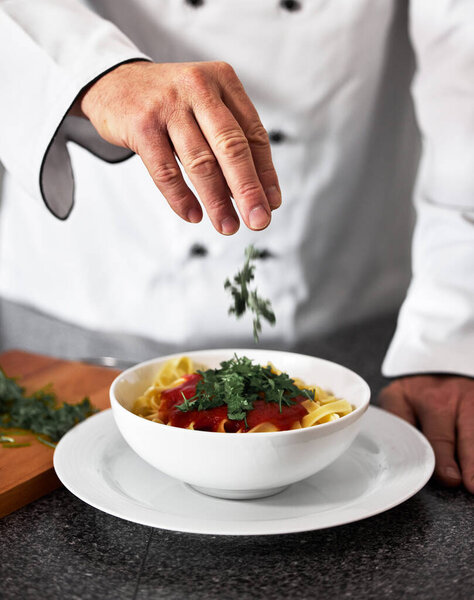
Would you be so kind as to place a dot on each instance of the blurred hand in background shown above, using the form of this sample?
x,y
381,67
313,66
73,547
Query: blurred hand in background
x,y
443,408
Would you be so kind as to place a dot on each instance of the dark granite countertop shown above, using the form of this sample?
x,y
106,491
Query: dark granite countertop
x,y
61,548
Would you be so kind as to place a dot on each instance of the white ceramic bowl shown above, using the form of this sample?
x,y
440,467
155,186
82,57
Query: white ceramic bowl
x,y
249,465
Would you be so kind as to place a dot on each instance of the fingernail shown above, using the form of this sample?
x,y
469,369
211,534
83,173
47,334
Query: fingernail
x,y
273,196
258,217
194,215
229,225
452,473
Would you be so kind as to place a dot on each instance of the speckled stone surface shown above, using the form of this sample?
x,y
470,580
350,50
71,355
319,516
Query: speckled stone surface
x,y
60,548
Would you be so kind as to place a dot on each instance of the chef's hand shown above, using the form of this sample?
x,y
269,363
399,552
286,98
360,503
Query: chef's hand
x,y
443,407
201,113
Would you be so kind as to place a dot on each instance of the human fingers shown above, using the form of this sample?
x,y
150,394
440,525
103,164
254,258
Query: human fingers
x,y
436,412
232,151
132,105
465,443
393,399
201,165
239,103
156,153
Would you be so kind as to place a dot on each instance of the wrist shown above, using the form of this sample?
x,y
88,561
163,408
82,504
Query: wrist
x,y
91,95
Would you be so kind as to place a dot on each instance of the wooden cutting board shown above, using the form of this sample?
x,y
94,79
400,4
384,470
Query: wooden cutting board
x,y
27,473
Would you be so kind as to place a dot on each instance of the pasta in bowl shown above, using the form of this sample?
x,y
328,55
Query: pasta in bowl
x,y
239,423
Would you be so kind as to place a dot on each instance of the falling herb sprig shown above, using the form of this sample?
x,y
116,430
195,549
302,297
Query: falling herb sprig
x,y
238,383
38,413
245,299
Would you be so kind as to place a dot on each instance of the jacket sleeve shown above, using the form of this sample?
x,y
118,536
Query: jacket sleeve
x,y
435,331
50,51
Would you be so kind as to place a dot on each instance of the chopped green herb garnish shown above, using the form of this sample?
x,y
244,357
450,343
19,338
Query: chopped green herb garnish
x,y
238,383
17,432
45,442
244,298
39,411
15,445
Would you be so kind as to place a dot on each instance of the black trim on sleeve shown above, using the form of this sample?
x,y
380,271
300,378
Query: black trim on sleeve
x,y
48,148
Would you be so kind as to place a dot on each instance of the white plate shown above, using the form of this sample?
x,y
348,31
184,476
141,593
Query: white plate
x,y
387,464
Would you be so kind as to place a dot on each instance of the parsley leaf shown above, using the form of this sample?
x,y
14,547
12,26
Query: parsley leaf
x,y
39,412
244,299
238,383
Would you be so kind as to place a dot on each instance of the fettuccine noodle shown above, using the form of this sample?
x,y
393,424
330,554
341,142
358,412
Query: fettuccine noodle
x,y
174,373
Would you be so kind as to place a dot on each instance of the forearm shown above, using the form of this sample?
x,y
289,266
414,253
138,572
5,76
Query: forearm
x,y
436,326
44,68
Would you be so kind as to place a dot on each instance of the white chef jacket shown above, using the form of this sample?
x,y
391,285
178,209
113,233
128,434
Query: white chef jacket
x,y
331,80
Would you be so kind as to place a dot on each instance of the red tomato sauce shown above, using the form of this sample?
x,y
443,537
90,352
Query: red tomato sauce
x,y
209,420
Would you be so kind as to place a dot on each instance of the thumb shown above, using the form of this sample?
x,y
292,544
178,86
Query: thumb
x,y
393,399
